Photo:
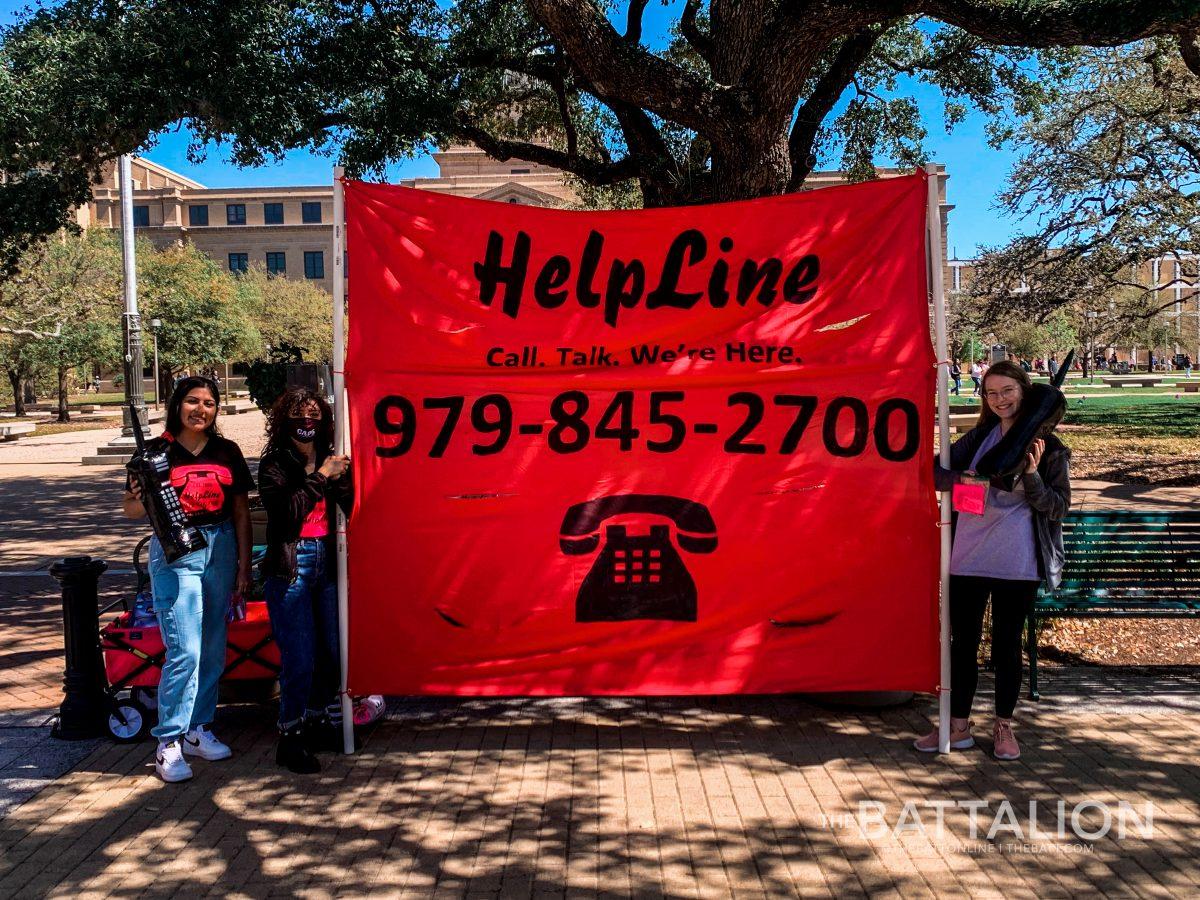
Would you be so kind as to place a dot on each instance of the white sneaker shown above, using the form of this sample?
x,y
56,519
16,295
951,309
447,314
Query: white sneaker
x,y
203,743
169,762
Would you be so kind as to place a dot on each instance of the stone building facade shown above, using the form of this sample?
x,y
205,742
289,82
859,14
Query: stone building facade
x,y
289,230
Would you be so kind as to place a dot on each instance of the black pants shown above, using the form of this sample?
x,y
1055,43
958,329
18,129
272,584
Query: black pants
x,y
1011,602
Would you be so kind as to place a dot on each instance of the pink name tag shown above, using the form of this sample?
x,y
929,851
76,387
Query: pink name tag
x,y
970,495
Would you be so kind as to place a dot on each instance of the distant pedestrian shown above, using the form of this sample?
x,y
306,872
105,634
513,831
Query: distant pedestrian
x,y
976,377
1052,365
955,377
1187,365
96,383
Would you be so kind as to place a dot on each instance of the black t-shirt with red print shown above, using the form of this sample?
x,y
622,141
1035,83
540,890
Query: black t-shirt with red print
x,y
206,481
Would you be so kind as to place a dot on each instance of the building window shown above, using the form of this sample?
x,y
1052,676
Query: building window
x,y
141,216
235,213
520,172
272,213
314,264
239,262
310,213
276,263
197,215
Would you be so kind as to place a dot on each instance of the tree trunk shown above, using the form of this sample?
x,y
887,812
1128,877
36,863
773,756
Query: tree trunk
x,y
64,414
29,389
751,168
16,380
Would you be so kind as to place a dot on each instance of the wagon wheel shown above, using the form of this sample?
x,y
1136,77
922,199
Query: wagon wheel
x,y
128,721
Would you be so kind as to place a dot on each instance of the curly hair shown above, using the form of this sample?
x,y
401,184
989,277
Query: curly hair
x,y
290,402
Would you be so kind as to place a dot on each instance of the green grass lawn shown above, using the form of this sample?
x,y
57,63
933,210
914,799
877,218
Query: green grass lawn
x,y
1122,412
1136,416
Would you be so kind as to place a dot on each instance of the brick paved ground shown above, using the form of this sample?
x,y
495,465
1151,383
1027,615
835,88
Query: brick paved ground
x,y
705,797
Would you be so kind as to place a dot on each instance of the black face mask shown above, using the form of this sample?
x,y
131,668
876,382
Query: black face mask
x,y
303,429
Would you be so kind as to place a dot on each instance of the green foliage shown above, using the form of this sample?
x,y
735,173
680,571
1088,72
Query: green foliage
x,y
1107,181
288,311
61,309
266,379
203,323
566,83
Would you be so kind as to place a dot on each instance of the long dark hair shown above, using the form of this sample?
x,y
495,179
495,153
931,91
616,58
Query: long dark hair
x,y
175,404
1008,369
291,401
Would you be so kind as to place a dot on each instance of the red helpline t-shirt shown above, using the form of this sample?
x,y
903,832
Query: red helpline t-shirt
x,y
207,481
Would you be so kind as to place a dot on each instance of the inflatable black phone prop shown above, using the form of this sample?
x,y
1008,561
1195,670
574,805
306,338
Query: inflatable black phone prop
x,y
1042,408
151,471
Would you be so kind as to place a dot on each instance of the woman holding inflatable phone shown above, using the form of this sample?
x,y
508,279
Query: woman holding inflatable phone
x,y
1006,542
193,593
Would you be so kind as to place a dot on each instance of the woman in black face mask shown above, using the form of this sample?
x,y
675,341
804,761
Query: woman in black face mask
x,y
300,480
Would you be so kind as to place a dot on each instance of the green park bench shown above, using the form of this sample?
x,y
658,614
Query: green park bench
x,y
1123,564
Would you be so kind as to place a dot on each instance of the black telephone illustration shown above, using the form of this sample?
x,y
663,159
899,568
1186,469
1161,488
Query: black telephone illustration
x,y
637,576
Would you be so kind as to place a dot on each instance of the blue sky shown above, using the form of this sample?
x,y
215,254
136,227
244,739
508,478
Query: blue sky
x,y
976,171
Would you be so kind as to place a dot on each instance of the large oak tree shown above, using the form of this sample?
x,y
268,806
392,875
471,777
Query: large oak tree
x,y
740,103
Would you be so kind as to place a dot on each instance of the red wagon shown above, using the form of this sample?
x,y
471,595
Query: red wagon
x,y
134,655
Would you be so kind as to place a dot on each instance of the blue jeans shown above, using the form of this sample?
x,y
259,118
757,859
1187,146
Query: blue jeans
x,y
304,620
191,598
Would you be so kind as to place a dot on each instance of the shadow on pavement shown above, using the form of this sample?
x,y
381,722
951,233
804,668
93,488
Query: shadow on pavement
x,y
615,797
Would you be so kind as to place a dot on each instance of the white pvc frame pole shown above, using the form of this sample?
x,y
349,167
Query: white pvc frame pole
x,y
933,229
340,445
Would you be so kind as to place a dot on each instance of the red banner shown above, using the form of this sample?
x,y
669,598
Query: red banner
x,y
651,452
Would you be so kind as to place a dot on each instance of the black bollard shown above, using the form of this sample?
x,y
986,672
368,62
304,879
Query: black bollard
x,y
84,708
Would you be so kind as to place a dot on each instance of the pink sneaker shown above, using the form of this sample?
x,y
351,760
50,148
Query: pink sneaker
x,y
368,709
960,739
1004,740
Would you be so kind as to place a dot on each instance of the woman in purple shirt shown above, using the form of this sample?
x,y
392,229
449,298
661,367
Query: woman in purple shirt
x,y
1003,553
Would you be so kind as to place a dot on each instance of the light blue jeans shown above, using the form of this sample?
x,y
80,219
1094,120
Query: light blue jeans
x,y
191,598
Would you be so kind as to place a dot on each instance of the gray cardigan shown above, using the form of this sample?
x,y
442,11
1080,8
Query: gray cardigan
x,y
1048,492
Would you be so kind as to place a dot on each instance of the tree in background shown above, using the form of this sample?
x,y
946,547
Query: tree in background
x,y
203,321
61,309
288,311
742,101
1108,176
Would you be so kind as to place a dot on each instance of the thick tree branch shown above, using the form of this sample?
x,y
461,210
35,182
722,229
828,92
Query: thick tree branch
x,y
657,169
1050,23
633,21
591,171
850,56
1189,49
690,28
626,72
564,107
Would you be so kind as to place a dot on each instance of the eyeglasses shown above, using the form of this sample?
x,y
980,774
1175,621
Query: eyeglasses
x,y
1007,394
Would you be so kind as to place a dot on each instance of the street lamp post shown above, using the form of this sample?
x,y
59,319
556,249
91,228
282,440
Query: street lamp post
x,y
155,328
131,320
